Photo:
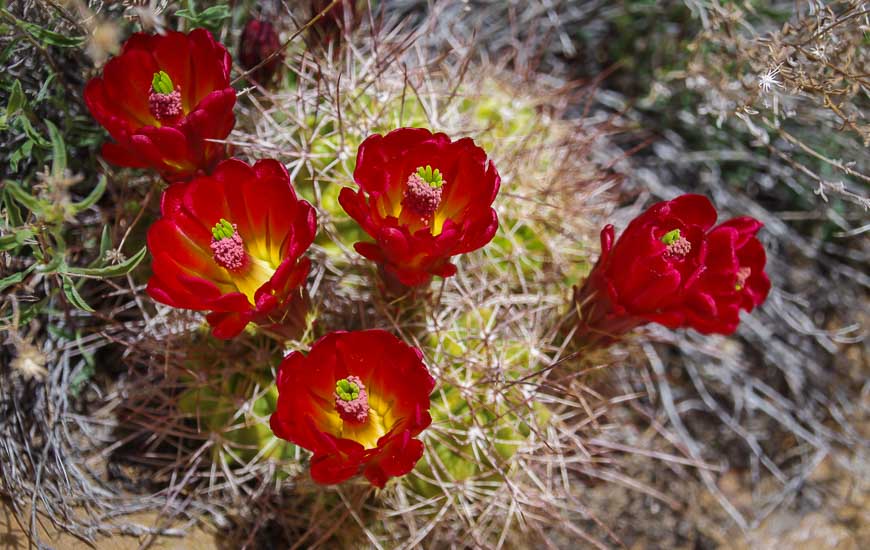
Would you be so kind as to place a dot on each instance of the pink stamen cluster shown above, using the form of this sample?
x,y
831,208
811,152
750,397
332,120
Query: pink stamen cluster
x,y
742,274
421,197
229,252
356,410
164,106
679,248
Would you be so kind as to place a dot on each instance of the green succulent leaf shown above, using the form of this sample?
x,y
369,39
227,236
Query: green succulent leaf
x,y
72,294
116,270
15,238
17,100
105,241
58,150
13,213
31,132
53,38
92,197
23,197
15,278
211,17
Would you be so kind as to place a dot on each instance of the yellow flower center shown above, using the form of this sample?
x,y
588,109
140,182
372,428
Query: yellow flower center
x,y
247,272
378,421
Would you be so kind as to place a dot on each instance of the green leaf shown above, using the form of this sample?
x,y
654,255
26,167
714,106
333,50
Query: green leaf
x,y
31,132
75,299
6,54
12,211
105,242
16,99
54,265
43,91
86,372
15,278
8,241
81,377
20,153
220,11
15,239
26,199
27,313
210,18
15,158
92,197
53,38
59,241
58,150
60,332
117,270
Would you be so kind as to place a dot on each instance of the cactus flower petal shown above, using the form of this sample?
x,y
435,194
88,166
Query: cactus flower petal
x,y
358,401
424,199
672,266
231,244
162,99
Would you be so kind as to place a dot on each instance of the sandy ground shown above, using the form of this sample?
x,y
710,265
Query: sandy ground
x,y
831,511
13,538
834,514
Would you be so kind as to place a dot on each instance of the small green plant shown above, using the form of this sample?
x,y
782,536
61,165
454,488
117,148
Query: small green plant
x,y
36,225
211,17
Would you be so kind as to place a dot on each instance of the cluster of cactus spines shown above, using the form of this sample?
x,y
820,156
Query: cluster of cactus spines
x,y
487,334
202,412
496,424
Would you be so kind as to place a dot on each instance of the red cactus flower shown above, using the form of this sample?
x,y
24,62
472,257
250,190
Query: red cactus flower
x,y
357,401
671,268
257,44
230,243
423,198
734,278
161,99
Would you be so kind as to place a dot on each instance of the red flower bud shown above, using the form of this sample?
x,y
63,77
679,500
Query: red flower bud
x,y
343,15
231,243
357,401
423,198
670,266
161,99
258,42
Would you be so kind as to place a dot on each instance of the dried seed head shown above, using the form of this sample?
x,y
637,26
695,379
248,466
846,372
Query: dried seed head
x,y
29,360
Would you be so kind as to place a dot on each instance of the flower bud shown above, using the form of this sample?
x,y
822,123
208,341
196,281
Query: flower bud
x,y
329,28
673,267
259,41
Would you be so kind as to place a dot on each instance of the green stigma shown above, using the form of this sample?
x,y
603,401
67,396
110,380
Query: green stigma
x,y
161,83
671,236
346,390
223,230
430,176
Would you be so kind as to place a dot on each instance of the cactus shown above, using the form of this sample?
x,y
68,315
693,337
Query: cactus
x,y
475,441
241,433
